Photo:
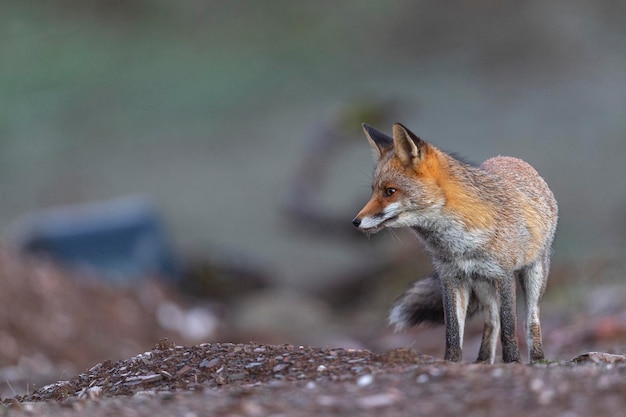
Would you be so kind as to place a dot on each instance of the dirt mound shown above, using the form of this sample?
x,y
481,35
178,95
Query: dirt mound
x,y
255,379
175,368
55,323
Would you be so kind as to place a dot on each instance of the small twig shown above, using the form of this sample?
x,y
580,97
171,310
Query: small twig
x,y
10,386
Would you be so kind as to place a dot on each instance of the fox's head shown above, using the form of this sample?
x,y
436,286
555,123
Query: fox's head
x,y
405,189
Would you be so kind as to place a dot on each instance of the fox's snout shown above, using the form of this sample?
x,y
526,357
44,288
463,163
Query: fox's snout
x,y
356,221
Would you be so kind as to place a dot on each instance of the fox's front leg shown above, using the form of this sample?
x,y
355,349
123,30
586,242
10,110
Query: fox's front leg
x,y
455,302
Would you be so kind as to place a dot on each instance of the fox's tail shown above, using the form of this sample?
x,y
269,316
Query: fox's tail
x,y
422,302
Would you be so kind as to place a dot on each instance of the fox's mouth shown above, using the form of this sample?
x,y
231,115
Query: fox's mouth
x,y
380,226
371,230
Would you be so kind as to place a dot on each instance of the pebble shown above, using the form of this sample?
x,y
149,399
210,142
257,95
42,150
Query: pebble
x,y
599,358
328,401
253,365
536,384
237,376
280,367
209,363
365,380
377,400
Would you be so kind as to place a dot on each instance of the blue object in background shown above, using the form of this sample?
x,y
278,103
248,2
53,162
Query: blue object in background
x,y
122,240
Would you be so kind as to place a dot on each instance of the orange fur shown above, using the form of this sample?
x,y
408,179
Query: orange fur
x,y
473,210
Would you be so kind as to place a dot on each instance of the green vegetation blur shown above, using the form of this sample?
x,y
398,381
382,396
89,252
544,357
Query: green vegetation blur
x,y
206,107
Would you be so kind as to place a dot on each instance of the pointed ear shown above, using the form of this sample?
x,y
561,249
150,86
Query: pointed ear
x,y
408,147
380,142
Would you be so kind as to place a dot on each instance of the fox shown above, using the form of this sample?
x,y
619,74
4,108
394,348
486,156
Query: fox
x,y
486,228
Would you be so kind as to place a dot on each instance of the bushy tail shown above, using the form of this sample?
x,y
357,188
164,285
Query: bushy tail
x,y
422,302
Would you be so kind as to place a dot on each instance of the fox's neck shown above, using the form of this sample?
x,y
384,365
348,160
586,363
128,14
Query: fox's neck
x,y
465,188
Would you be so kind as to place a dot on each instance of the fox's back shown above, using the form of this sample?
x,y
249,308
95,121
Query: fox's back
x,y
523,178
529,195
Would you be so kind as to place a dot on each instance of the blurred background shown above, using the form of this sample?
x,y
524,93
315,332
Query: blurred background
x,y
218,146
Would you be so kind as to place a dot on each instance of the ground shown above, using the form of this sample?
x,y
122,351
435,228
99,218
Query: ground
x,y
227,379
70,345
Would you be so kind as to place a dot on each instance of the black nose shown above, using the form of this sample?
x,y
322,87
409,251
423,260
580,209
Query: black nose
x,y
356,222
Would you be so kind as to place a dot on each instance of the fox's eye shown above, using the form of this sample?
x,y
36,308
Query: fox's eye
x,y
389,191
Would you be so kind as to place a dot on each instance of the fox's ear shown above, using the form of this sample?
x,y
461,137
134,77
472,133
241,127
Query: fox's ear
x,y
380,142
408,147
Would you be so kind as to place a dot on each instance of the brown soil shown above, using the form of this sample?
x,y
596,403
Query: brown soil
x,y
52,326
255,380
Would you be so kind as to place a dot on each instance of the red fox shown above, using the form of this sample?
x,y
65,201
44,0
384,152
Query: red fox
x,y
484,226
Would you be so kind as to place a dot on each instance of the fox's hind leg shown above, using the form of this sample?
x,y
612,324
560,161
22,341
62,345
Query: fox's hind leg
x,y
508,319
487,297
533,281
